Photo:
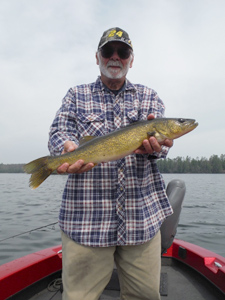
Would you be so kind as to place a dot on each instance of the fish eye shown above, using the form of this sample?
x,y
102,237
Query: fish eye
x,y
181,120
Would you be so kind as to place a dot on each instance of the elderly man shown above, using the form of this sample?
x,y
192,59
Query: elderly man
x,y
111,212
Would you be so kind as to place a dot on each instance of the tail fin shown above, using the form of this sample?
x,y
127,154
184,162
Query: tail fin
x,y
39,170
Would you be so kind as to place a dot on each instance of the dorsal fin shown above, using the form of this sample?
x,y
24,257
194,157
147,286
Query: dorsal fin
x,y
86,139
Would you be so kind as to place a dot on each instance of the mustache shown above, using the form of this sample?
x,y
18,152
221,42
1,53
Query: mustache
x,y
114,64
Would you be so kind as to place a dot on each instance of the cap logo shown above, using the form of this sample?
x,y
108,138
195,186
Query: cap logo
x,y
113,32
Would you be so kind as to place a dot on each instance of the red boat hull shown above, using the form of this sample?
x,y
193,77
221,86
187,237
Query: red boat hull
x,y
23,272
207,263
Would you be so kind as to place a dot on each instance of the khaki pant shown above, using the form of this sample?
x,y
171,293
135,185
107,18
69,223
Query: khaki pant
x,y
87,270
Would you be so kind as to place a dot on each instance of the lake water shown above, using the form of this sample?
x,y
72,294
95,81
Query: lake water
x,y
28,218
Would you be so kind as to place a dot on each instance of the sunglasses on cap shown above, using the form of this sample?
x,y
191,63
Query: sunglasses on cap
x,y
107,51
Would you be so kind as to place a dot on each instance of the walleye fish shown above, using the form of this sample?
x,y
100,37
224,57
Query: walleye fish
x,y
112,146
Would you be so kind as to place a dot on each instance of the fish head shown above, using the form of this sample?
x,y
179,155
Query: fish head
x,y
179,127
171,128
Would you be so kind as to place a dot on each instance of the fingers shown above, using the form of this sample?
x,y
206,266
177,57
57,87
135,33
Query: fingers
x,y
63,168
152,145
168,143
69,146
150,117
78,167
149,146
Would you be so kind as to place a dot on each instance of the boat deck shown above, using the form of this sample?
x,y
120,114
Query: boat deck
x,y
178,281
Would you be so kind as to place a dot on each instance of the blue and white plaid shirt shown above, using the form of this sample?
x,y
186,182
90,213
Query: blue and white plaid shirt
x,y
121,202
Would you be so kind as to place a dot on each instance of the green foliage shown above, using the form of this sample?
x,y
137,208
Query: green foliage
x,y
215,164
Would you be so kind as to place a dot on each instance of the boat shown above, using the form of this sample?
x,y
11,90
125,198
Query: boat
x,y
188,271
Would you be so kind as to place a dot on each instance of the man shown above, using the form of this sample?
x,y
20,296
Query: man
x,y
113,211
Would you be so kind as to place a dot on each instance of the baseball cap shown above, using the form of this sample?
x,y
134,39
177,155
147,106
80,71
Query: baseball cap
x,y
115,34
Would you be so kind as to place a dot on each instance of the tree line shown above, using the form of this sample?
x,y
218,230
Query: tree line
x,y
215,164
11,168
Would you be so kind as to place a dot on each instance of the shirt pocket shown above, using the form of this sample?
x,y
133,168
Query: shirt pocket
x,y
135,115
91,124
132,116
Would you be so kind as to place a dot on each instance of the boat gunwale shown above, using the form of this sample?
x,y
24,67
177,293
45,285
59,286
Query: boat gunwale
x,y
201,260
28,270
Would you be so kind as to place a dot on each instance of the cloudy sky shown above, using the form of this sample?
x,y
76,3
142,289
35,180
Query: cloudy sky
x,y
48,46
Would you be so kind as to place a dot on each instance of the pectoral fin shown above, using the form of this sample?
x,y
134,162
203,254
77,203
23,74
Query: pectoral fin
x,y
152,133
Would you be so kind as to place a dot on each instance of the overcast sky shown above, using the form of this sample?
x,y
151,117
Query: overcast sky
x,y
48,46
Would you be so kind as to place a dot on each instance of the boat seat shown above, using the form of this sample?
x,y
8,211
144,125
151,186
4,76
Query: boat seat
x,y
175,190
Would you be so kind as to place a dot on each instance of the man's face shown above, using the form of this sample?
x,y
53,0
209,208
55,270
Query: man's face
x,y
114,60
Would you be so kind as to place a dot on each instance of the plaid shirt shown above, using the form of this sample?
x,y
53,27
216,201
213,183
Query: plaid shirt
x,y
121,202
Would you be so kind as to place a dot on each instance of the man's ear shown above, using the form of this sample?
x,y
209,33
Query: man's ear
x,y
97,59
131,62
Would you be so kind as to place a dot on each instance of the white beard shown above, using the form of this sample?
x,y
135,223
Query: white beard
x,y
114,73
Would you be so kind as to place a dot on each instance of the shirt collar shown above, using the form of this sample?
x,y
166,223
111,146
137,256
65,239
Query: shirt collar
x,y
99,86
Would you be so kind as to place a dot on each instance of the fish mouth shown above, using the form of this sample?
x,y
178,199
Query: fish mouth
x,y
187,125
194,123
191,122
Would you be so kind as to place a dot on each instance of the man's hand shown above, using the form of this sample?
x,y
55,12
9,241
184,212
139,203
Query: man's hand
x,y
78,167
152,145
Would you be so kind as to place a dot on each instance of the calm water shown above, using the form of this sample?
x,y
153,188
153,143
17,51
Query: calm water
x,y
30,212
